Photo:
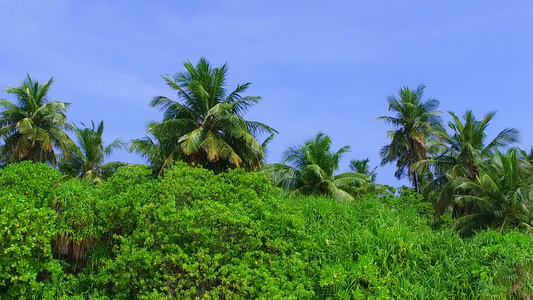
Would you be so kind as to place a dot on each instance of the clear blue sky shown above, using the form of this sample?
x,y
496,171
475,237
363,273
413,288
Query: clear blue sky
x,y
316,66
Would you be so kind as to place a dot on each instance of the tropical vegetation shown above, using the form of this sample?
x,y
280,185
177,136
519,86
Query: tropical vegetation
x,y
309,170
206,126
86,159
193,234
363,166
209,218
34,126
414,122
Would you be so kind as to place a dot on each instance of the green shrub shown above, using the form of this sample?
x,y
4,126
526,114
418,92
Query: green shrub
x,y
210,239
122,196
78,227
505,266
124,178
36,181
25,252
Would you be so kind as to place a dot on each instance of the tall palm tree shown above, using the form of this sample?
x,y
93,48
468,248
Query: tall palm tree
x,y
362,166
309,169
207,124
462,154
86,159
501,195
414,122
34,126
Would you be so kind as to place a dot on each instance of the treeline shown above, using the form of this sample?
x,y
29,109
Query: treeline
x,y
481,182
191,234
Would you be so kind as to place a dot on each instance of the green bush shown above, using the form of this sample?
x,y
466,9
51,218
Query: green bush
x,y
25,252
77,223
211,237
36,181
123,195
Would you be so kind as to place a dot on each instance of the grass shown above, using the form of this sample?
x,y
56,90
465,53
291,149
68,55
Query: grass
x,y
371,249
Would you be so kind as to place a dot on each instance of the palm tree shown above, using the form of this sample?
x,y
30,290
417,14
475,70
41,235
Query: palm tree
x,y
34,126
207,124
309,169
502,195
87,158
151,149
462,154
363,167
469,138
414,122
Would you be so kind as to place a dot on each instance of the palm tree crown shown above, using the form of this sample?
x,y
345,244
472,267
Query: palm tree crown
x,y
34,126
461,155
501,196
362,166
206,125
153,151
86,159
469,140
414,121
310,168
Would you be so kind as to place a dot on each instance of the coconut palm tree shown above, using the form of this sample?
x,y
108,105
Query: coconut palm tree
x,y
414,121
469,141
86,159
34,126
309,169
462,154
363,167
207,124
156,154
501,195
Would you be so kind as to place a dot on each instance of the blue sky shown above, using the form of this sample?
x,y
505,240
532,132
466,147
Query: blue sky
x,y
317,67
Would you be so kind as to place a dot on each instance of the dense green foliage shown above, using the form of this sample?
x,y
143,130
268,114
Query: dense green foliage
x,y
204,228
501,195
194,234
206,127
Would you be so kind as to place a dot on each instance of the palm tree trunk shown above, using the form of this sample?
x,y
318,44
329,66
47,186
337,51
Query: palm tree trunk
x,y
414,175
416,184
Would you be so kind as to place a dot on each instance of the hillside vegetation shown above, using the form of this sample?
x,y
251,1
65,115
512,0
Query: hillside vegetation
x,y
209,218
191,234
